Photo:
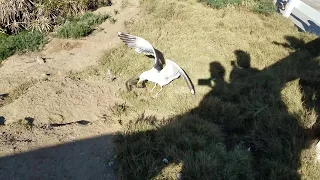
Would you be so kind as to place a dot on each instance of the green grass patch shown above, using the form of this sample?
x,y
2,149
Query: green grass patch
x,y
266,7
144,146
80,26
24,41
221,3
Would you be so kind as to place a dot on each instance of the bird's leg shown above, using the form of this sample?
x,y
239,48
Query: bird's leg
x,y
156,95
155,85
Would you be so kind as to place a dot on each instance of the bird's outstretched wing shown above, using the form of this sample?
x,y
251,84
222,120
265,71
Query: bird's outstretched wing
x,y
183,75
140,45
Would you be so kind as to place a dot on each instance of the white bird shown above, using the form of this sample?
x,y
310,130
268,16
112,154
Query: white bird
x,y
158,74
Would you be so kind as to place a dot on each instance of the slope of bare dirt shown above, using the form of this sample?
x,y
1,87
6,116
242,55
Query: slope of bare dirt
x,y
40,106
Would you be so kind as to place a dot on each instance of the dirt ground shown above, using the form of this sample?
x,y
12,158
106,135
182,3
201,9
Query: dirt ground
x,y
53,126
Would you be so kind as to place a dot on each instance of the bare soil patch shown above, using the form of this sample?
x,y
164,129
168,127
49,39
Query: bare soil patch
x,y
55,126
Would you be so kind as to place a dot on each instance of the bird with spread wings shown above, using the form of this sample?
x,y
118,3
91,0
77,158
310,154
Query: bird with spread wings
x,y
158,74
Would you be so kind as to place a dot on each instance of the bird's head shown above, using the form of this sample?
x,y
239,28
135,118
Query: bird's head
x,y
143,76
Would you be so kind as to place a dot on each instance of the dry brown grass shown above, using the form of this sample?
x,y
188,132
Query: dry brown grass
x,y
15,14
180,29
41,15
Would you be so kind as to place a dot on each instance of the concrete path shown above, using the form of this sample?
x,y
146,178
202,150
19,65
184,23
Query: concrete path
x,y
306,19
313,3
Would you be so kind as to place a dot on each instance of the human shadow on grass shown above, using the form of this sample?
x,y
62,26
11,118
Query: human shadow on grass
x,y
241,129
2,120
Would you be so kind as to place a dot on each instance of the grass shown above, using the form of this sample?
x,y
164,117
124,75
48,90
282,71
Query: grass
x,y
80,26
257,120
265,7
221,3
24,41
118,109
73,27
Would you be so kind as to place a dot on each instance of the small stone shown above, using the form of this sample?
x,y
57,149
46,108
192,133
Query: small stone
x,y
179,176
111,163
40,60
165,160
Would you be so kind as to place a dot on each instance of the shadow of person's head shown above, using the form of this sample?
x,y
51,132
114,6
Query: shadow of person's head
x,y
243,59
217,71
294,42
2,120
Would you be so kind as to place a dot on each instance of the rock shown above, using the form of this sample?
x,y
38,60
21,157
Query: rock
x,y
165,160
111,163
40,60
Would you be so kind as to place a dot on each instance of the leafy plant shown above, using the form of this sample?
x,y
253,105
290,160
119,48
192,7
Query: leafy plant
x,y
119,109
21,42
80,26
